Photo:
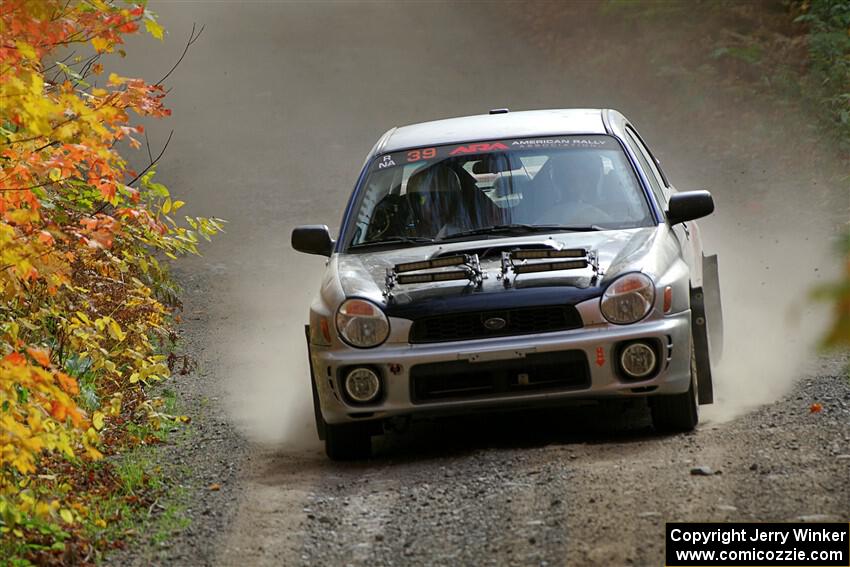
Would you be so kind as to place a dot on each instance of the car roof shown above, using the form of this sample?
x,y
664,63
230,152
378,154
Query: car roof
x,y
529,123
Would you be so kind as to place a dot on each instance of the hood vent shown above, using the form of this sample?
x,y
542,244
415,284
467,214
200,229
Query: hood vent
x,y
485,252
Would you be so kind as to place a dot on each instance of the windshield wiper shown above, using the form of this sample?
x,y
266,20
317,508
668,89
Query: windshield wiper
x,y
395,240
520,228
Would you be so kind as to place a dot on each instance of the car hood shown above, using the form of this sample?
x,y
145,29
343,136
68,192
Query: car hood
x,y
364,274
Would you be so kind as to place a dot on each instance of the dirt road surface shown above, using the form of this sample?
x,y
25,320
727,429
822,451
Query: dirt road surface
x,y
275,107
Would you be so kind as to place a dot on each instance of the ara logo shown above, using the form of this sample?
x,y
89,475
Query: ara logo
x,y
387,161
495,324
477,148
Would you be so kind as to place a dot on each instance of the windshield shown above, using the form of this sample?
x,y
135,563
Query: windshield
x,y
471,190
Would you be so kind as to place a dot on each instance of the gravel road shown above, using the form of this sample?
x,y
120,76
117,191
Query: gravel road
x,y
275,108
502,493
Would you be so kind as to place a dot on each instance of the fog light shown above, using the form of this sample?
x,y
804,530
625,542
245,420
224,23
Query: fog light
x,y
637,360
362,385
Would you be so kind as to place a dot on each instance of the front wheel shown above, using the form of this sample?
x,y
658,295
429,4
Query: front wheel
x,y
679,412
347,442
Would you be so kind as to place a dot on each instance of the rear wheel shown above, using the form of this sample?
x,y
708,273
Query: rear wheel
x,y
679,412
348,442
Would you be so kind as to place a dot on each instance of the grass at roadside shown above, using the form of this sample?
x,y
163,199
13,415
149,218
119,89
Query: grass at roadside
x,y
130,493
828,24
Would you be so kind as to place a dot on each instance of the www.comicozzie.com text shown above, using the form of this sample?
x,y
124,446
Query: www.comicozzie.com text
x,y
726,536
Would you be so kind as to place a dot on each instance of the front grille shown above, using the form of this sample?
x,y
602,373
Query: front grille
x,y
471,325
461,379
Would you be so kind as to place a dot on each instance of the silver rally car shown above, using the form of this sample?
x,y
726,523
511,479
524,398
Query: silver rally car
x,y
510,260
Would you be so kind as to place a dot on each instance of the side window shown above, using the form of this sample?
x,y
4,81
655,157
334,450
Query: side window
x,y
646,166
656,168
407,172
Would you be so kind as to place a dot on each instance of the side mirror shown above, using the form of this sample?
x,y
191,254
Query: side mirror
x,y
689,206
313,239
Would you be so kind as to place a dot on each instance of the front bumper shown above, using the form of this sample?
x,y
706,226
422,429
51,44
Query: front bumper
x,y
598,342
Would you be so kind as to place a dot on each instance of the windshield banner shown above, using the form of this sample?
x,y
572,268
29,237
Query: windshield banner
x,y
415,155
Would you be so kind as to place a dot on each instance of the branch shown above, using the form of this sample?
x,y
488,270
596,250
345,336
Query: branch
x,y
192,39
145,170
47,145
153,163
84,71
4,190
72,38
60,61
148,144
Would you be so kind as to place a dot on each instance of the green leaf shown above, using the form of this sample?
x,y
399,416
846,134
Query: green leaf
x,y
88,396
23,394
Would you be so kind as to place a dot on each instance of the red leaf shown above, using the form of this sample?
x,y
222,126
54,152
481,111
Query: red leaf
x,y
15,358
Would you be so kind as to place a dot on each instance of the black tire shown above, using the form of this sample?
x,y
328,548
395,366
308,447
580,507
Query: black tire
x,y
347,442
679,412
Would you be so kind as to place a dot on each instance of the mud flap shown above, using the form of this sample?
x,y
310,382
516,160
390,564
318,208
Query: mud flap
x,y
699,329
317,409
713,308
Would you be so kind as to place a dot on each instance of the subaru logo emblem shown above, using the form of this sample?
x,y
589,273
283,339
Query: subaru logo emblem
x,y
495,323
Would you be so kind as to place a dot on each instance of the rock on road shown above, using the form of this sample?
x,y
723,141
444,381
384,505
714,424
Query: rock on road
x,y
274,109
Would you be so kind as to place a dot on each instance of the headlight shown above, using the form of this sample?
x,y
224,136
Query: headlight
x,y
628,299
361,323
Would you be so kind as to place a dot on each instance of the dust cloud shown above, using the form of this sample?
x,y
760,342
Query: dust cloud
x,y
268,389
771,323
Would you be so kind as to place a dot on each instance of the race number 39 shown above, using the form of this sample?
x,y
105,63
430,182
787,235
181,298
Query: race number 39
x,y
422,153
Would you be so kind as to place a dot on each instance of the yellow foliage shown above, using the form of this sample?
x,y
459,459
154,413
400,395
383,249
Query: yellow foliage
x,y
84,298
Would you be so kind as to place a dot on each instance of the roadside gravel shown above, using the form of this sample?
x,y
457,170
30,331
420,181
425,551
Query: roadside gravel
x,y
202,461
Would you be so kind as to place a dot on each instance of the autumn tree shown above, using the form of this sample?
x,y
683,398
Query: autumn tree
x,y
85,297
